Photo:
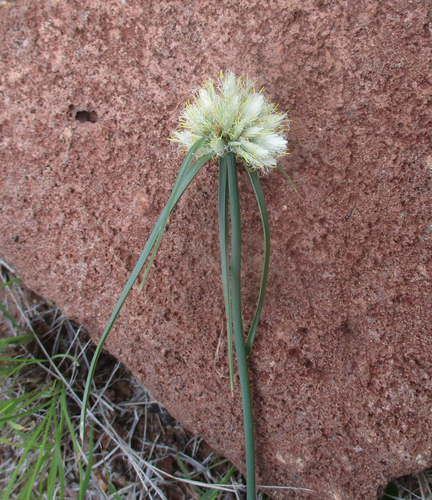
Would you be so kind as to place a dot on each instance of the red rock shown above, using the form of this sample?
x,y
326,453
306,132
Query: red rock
x,y
342,364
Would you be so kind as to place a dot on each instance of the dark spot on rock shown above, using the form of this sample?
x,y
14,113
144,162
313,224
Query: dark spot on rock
x,y
294,353
70,111
86,116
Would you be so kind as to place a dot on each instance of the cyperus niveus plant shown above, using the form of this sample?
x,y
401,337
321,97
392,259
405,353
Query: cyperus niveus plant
x,y
233,118
226,119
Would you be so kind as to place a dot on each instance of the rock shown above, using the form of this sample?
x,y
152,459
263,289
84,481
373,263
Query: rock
x,y
342,364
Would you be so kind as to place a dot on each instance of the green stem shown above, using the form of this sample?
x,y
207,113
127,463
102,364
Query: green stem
x,y
224,247
237,324
266,229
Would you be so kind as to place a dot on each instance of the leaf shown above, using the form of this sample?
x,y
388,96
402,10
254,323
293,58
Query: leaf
x,y
18,340
186,473
286,175
85,482
224,237
31,442
238,326
185,177
10,318
15,280
266,228
211,494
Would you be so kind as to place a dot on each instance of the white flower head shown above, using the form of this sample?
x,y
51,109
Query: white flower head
x,y
235,119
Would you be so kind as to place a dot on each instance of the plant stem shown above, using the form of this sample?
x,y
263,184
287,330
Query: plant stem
x,y
237,323
224,246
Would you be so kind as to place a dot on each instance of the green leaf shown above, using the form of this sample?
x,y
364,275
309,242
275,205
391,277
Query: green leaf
x,y
224,241
212,494
85,482
10,366
43,451
266,228
286,175
56,467
18,340
65,413
171,202
111,488
18,414
3,308
10,318
15,280
11,483
68,356
185,177
18,445
238,325
186,473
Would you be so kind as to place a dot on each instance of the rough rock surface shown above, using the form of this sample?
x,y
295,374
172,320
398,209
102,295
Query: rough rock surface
x,y
342,367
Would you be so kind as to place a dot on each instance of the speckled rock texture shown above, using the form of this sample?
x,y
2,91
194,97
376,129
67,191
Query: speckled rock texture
x,y
342,366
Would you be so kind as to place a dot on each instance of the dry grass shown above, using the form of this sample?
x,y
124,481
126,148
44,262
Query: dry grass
x,y
139,451
414,487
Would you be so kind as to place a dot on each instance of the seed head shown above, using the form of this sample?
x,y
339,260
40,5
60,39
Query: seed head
x,y
235,119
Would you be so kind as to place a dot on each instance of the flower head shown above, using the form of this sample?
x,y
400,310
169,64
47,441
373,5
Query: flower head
x,y
234,119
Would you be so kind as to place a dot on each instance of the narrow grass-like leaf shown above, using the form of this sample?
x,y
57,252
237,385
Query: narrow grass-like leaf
x,y
171,202
61,474
11,410
224,248
18,340
12,416
23,483
8,407
86,480
68,356
111,488
3,308
10,282
14,366
184,181
186,473
216,464
41,473
56,468
56,459
8,442
238,325
266,229
175,196
212,494
19,361
43,449
64,410
24,433
10,318
35,435
286,175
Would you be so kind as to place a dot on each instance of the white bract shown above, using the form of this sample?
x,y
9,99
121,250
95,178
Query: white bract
x,y
234,119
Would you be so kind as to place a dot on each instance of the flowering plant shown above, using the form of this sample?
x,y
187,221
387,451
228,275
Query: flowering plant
x,y
234,120
227,119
